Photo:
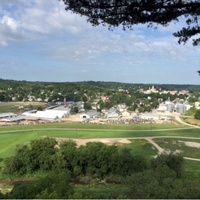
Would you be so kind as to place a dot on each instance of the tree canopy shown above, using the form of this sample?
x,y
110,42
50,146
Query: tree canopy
x,y
132,12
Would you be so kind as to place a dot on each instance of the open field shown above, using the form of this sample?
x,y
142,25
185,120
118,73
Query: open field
x,y
192,168
14,135
14,106
77,125
191,121
137,134
185,147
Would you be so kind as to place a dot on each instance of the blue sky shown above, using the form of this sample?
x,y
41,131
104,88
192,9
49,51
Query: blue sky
x,y
40,41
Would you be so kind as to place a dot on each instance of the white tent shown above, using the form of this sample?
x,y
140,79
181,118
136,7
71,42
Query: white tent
x,y
50,114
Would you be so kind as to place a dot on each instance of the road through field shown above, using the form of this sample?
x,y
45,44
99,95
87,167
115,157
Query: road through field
x,y
102,139
96,129
126,140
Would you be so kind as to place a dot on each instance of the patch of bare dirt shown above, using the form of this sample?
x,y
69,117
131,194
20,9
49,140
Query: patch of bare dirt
x,y
108,141
192,144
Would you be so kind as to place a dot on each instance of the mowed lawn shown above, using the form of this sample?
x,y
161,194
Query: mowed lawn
x,y
12,136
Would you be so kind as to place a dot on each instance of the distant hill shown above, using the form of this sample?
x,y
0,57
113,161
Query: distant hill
x,y
101,84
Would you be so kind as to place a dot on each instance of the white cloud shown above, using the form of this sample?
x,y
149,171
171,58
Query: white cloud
x,y
54,37
27,20
117,47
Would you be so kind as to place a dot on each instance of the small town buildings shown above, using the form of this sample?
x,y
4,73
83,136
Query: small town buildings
x,y
162,107
112,113
51,113
150,116
178,105
126,113
197,105
7,115
80,106
90,114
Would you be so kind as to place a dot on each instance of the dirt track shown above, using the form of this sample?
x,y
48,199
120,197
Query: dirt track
x,y
121,141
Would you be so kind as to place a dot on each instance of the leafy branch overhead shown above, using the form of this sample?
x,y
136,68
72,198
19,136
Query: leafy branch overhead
x,y
131,12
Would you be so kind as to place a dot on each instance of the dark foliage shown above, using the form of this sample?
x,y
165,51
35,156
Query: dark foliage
x,y
161,183
197,114
53,186
128,13
94,158
164,178
174,162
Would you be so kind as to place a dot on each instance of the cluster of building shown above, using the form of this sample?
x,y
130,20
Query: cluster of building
x,y
64,109
51,113
178,106
154,90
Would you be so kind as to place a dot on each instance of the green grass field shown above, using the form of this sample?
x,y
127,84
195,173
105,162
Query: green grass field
x,y
174,144
192,168
13,106
12,136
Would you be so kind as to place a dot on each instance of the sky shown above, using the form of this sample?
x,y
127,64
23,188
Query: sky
x,y
40,41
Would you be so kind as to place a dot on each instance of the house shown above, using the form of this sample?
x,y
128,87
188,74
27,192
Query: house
x,y
80,106
126,113
90,114
111,113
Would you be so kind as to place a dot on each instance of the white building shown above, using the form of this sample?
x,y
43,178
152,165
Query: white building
x,y
112,113
56,113
90,114
7,115
150,116
197,105
162,107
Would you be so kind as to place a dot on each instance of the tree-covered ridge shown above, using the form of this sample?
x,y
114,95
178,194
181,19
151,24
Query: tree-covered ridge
x,y
99,85
66,165
97,95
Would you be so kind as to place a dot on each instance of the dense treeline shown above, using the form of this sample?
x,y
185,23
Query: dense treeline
x,y
93,158
6,83
162,177
127,86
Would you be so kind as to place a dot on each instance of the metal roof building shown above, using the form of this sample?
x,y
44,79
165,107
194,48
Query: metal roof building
x,y
153,116
18,118
90,114
50,114
8,114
